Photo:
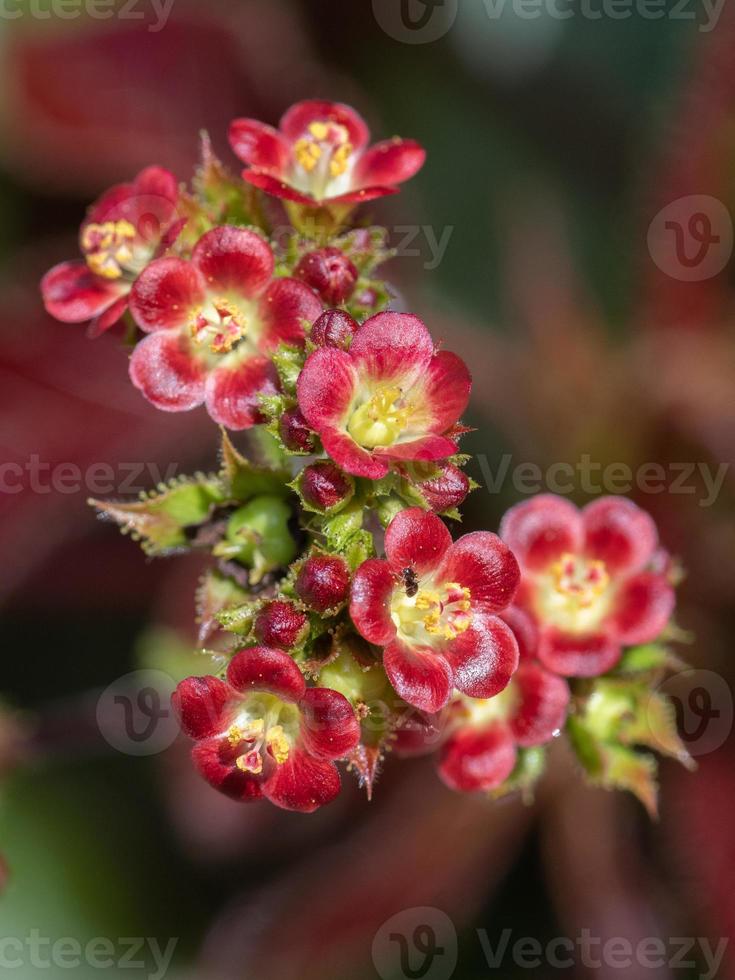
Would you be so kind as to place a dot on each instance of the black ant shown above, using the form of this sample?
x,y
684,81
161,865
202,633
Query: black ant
x,y
410,582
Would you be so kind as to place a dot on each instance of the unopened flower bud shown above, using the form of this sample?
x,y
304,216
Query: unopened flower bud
x,y
447,489
280,624
330,273
295,433
258,536
333,329
323,582
325,487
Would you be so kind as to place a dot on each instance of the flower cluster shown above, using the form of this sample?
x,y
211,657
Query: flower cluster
x,y
339,619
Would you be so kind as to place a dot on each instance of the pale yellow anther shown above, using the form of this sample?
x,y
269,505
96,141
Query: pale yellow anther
x,y
579,580
380,420
278,744
251,763
109,247
319,130
219,324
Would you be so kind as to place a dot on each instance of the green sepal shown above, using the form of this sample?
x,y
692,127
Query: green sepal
x,y
160,519
288,361
649,658
530,766
223,197
216,592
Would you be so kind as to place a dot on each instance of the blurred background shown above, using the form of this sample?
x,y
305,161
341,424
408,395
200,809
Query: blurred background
x,y
571,237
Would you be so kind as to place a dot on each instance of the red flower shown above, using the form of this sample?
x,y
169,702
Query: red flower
x,y
262,733
433,605
320,154
213,321
390,397
481,750
587,580
123,232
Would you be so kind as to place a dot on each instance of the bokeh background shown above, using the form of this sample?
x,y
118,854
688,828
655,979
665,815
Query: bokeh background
x,y
553,145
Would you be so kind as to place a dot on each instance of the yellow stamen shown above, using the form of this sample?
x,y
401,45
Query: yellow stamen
x,y
381,419
220,324
108,247
580,581
278,744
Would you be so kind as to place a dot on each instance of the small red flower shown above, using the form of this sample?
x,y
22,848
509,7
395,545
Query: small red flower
x,y
481,750
588,580
335,328
280,624
433,605
446,489
324,486
390,397
127,227
213,322
319,154
263,733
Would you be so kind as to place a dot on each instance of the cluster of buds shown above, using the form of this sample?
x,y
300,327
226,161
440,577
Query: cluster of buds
x,y
341,620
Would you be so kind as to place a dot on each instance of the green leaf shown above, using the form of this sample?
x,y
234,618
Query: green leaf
x,y
159,521
244,479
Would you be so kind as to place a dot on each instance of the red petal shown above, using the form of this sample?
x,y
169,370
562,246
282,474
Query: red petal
x,y
416,539
543,705
234,260
266,669
157,182
167,374
427,448
259,145
213,761
297,119
484,657
200,703
619,533
474,760
277,187
108,318
486,566
392,345
578,656
353,458
390,162
361,195
72,293
643,607
286,308
372,587
538,531
329,726
325,388
107,207
233,394
420,676
165,294
524,629
445,390
302,783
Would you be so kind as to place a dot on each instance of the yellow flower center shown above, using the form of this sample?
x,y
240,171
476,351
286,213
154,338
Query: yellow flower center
x,y
219,324
431,613
323,154
267,727
380,420
575,594
109,248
